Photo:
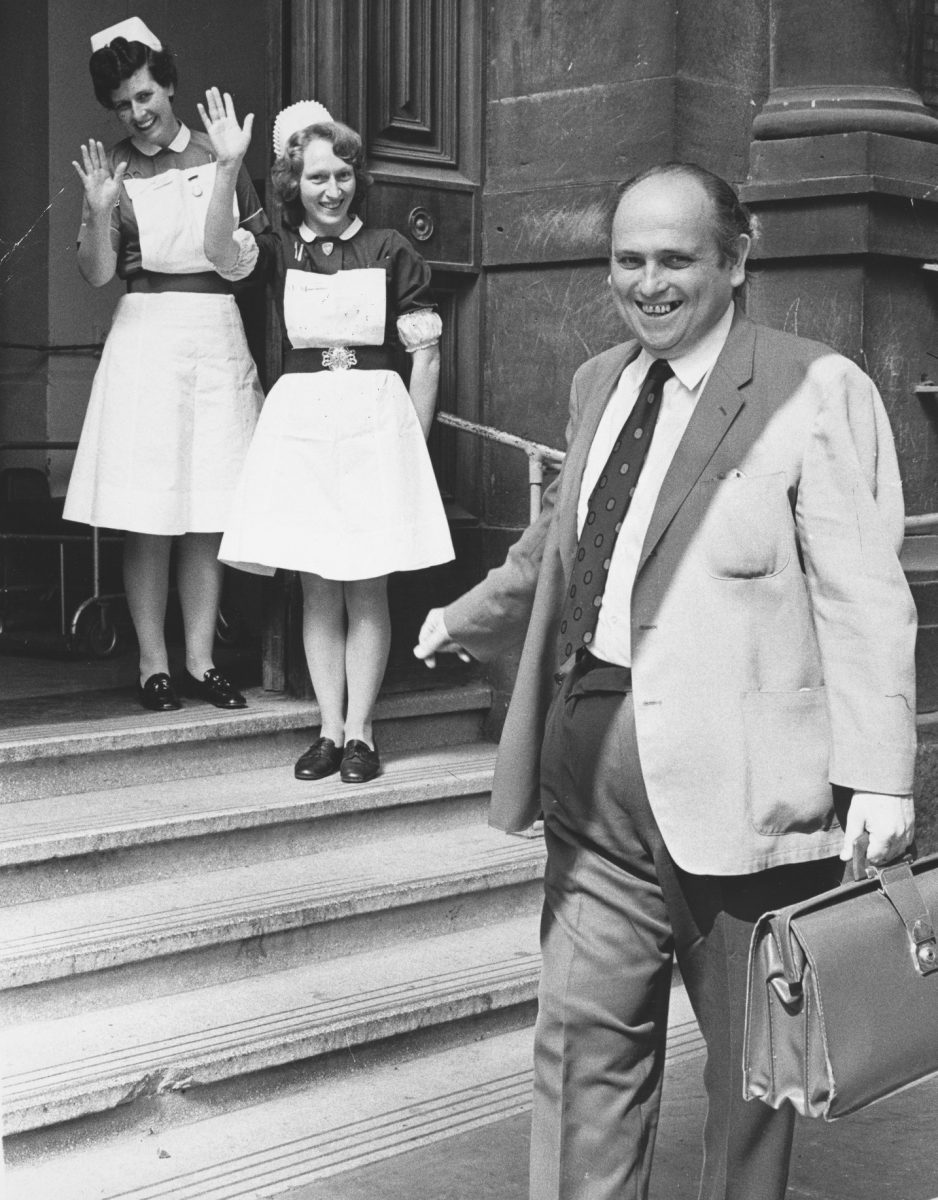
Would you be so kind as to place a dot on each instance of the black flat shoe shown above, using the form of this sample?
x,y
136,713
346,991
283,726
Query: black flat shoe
x,y
359,762
321,759
158,694
215,688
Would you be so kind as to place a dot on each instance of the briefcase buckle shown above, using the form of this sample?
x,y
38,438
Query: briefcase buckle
x,y
927,957
899,887
926,947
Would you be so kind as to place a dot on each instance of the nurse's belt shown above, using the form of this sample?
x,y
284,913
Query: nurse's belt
x,y
346,309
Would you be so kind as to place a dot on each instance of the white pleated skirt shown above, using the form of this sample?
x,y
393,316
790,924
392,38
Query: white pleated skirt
x,y
172,412
337,482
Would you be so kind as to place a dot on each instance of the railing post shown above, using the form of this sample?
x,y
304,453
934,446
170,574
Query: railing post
x,y
536,481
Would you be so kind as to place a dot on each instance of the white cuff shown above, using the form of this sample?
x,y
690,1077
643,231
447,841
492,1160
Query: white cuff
x,y
247,257
419,330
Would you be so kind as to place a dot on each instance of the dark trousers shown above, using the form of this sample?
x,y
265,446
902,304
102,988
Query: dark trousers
x,y
617,910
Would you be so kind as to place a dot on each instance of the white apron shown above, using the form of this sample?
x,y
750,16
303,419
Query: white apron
x,y
345,309
175,397
171,209
338,481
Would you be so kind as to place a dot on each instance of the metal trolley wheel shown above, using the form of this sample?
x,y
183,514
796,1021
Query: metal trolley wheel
x,y
101,637
94,630
229,627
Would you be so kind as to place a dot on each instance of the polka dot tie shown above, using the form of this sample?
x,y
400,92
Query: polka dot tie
x,y
608,503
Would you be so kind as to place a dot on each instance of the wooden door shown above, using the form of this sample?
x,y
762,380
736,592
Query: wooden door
x,y
407,74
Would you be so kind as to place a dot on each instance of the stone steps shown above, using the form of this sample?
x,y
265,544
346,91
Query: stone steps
x,y
100,948
329,1125
187,932
66,1068
70,757
335,1124
111,837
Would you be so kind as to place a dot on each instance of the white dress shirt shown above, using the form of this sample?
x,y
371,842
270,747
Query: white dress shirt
x,y
612,641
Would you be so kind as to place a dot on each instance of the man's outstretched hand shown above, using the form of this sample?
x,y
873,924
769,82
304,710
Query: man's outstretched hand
x,y
434,639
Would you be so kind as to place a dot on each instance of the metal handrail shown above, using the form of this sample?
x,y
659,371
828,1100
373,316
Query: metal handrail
x,y
922,523
38,446
537,454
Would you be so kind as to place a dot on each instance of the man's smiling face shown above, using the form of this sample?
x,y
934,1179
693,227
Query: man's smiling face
x,y
670,280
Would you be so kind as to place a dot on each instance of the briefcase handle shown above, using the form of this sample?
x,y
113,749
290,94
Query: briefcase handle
x,y
899,887
897,883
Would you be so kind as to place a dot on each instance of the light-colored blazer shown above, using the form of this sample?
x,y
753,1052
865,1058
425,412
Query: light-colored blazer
x,y
773,631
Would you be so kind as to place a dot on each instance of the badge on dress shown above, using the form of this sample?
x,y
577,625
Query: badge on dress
x,y
327,248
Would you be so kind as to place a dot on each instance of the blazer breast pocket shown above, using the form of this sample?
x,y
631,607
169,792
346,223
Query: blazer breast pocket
x,y
746,529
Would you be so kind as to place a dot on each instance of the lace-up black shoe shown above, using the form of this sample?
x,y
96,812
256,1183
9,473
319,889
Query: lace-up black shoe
x,y
321,759
359,762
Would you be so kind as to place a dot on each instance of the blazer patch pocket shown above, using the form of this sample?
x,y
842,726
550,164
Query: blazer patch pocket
x,y
746,528
787,752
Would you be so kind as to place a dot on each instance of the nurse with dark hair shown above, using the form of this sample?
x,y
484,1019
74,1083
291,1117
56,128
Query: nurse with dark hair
x,y
176,396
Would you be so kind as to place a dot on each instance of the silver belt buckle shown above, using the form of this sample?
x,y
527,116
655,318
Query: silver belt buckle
x,y
339,358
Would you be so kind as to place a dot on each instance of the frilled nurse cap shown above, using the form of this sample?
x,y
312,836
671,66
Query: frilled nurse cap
x,y
133,29
296,117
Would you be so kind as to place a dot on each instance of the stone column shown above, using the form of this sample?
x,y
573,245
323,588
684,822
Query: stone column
x,y
843,66
843,181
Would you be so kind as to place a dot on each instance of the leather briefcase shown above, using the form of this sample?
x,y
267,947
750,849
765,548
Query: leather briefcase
x,y
842,999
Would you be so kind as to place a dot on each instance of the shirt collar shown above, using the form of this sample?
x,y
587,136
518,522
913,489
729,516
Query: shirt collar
x,y
177,145
308,236
693,366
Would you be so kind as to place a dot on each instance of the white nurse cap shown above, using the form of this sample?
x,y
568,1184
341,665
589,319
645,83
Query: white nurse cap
x,y
296,117
133,29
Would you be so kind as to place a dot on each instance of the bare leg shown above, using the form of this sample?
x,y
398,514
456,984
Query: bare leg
x,y
146,582
324,643
199,578
366,656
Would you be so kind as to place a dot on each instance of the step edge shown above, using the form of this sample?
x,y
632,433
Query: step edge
x,y
215,726
23,970
52,1106
379,794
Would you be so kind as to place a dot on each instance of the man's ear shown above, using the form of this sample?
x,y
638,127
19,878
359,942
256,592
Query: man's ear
x,y
738,271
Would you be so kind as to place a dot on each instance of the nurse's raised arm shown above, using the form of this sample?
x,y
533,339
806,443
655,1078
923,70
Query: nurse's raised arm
x,y
230,142
97,254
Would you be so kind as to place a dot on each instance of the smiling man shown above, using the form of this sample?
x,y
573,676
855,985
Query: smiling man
x,y
716,691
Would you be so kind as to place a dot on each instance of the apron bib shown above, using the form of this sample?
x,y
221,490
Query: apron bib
x,y
346,309
171,209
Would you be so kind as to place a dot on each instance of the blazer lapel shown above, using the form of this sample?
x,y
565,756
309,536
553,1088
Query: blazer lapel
x,y
593,408
715,412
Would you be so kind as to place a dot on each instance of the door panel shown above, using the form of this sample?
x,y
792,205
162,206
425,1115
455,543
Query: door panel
x,y
407,75
412,81
439,222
